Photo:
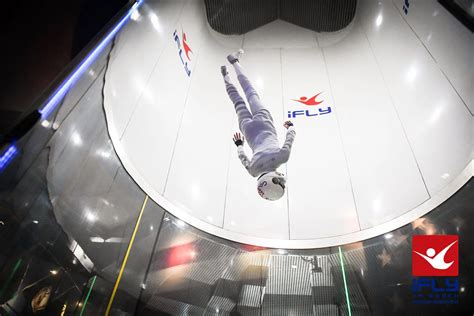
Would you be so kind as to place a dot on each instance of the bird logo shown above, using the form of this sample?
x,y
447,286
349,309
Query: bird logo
x,y
187,49
437,260
311,101
435,255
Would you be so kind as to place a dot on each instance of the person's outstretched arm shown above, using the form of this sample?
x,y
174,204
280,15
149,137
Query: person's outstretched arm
x,y
290,137
239,142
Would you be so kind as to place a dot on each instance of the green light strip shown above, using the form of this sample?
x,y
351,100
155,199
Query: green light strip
x,y
87,297
345,282
10,277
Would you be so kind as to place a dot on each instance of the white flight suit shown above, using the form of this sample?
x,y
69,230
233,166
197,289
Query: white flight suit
x,y
259,131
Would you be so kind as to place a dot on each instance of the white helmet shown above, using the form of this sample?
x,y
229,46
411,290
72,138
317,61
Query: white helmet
x,y
271,185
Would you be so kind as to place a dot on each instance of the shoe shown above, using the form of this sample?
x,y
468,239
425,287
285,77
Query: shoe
x,y
234,57
224,71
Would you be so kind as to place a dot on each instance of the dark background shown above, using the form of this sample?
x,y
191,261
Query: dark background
x,y
38,40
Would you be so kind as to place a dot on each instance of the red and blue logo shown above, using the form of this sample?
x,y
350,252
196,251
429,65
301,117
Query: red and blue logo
x,y
435,265
312,111
184,50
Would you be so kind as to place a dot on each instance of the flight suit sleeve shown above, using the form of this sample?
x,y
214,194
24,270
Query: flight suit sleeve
x,y
243,157
286,148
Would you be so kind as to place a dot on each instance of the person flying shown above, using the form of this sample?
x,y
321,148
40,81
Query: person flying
x,y
258,128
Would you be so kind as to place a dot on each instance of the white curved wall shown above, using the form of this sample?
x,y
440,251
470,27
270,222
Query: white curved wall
x,y
400,130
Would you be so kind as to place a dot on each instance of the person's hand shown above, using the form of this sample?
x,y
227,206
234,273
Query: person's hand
x,y
287,124
238,139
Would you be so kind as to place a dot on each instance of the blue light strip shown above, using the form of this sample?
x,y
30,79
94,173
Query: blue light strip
x,y
72,79
59,94
7,156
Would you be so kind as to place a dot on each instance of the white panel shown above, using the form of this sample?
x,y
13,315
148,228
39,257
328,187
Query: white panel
x,y
320,196
384,174
448,40
138,47
198,173
437,123
246,212
150,137
230,42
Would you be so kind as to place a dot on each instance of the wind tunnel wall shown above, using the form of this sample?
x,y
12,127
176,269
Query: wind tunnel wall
x,y
241,16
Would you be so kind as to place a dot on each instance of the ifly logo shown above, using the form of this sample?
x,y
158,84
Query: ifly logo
x,y
436,285
184,50
428,290
435,255
435,260
312,110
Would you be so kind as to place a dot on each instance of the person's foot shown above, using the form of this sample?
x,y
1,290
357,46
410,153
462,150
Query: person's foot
x,y
224,71
234,57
